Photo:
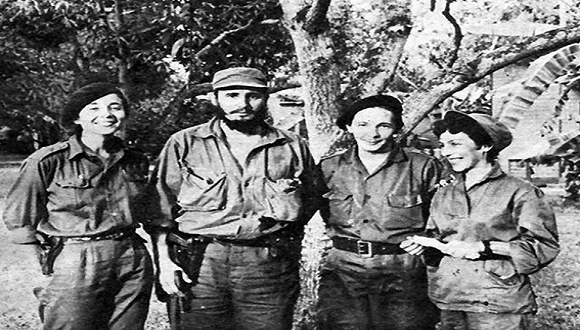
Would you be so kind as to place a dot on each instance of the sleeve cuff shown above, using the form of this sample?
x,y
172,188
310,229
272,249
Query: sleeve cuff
x,y
24,235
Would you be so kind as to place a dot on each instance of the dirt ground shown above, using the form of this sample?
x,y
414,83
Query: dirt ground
x,y
557,287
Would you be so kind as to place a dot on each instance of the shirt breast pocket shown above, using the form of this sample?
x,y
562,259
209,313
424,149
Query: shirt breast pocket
x,y
136,179
404,211
71,193
202,189
340,205
282,198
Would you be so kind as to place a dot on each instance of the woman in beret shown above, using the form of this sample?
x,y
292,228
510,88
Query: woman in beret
x,y
81,200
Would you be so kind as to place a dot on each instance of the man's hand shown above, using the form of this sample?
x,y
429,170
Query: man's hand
x,y
166,275
165,267
411,247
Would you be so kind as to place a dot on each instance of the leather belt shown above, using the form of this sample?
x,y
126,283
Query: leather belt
x,y
364,248
274,239
118,235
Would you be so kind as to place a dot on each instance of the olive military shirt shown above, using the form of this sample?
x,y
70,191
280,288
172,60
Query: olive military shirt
x,y
384,206
202,189
65,190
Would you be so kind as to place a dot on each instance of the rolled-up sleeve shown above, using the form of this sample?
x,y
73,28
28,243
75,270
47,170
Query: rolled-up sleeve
x,y
538,243
26,203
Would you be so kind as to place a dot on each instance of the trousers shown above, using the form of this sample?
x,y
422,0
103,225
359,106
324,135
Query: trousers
x,y
383,292
99,285
459,320
245,287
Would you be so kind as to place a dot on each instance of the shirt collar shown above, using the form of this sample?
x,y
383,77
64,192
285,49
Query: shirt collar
x,y
397,154
494,173
77,149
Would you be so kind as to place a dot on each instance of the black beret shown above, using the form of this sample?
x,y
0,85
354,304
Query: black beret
x,y
85,95
383,101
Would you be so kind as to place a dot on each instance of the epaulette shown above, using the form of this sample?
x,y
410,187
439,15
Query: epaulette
x,y
445,182
44,152
334,154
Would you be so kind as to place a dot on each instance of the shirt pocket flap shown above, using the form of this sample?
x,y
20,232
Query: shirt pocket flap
x,y
404,201
79,183
336,195
201,177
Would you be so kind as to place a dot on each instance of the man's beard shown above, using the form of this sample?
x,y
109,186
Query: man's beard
x,y
248,126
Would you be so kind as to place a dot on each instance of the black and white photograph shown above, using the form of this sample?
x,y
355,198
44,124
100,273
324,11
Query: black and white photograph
x,y
289,165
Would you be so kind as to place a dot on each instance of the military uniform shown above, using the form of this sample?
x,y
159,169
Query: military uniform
x,y
367,281
252,214
103,276
497,208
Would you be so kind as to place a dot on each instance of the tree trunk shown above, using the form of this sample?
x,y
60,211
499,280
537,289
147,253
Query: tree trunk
x,y
320,79
395,18
122,54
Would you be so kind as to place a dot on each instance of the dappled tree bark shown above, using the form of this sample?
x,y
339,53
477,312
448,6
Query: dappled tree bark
x,y
320,76
448,82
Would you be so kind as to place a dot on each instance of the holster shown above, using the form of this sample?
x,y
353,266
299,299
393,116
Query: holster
x,y
187,251
48,250
178,303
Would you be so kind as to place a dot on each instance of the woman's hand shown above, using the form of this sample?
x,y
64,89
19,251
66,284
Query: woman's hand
x,y
464,250
456,249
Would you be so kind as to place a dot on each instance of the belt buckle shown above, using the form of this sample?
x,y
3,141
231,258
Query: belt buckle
x,y
364,249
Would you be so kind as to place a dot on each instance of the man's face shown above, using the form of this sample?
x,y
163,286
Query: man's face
x,y
462,152
242,105
103,116
373,129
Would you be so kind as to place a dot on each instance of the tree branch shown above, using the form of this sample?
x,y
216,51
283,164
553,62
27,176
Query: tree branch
x,y
229,33
435,91
316,21
457,36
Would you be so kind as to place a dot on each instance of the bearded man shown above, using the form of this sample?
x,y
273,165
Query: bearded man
x,y
232,198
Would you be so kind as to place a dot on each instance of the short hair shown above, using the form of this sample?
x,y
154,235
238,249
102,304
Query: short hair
x,y
477,134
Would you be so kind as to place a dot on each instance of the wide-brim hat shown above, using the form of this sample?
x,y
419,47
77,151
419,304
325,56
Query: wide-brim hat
x,y
239,77
498,132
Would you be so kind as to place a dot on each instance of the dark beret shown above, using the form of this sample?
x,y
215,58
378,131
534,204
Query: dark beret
x,y
84,96
382,101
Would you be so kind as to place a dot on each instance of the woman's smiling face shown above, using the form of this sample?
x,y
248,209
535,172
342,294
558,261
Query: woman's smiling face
x,y
103,116
462,152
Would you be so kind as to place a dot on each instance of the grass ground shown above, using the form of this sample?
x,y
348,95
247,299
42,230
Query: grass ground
x,y
557,287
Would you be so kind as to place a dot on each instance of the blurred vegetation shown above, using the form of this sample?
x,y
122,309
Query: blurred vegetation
x,y
164,52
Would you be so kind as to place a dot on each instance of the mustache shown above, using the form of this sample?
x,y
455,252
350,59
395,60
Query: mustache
x,y
242,110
